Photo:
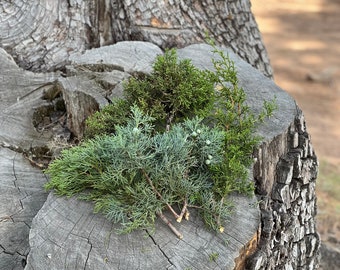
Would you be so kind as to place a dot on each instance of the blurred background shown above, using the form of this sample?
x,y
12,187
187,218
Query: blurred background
x,y
303,42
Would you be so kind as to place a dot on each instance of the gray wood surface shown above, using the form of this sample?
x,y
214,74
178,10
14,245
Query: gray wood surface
x,y
95,76
21,192
20,93
21,196
67,235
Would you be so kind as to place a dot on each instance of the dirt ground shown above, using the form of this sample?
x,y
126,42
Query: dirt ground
x,y
303,42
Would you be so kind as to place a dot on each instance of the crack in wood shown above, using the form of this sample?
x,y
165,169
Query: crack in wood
x,y
88,254
15,176
5,251
160,249
41,87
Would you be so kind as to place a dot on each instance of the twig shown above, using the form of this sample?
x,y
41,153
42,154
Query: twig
x,y
158,194
221,228
184,211
187,214
169,121
172,227
36,89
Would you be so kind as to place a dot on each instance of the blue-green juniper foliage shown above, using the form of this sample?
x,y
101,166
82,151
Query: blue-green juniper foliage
x,y
136,173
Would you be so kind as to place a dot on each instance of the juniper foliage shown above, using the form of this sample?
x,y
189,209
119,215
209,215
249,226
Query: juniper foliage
x,y
175,90
180,138
104,121
136,173
235,117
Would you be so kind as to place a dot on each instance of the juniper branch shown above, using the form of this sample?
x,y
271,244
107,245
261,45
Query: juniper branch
x,y
183,212
159,194
172,227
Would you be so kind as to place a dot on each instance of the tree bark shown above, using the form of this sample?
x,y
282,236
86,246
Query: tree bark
x,y
41,35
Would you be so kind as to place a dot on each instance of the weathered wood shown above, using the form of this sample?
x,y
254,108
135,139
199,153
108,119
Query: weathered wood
x,y
67,235
15,249
179,23
21,196
95,75
285,174
41,35
21,192
20,93
127,56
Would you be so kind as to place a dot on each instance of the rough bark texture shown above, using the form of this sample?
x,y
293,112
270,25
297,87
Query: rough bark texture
x,y
41,35
285,173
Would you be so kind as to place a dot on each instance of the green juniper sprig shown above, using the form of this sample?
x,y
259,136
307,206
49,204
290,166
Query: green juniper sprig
x,y
175,90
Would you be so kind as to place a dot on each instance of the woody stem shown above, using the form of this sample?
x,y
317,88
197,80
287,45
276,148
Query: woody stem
x,y
172,227
159,194
184,210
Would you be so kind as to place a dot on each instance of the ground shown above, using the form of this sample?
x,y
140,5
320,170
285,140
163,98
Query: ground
x,y
302,39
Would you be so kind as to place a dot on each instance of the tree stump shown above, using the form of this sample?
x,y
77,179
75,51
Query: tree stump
x,y
272,231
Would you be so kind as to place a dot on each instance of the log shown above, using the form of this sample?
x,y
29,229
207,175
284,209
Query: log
x,y
90,240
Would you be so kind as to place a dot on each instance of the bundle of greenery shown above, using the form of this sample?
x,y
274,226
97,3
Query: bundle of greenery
x,y
181,138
